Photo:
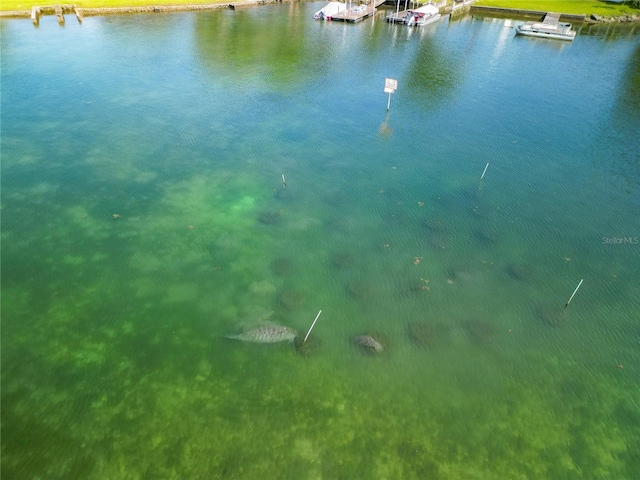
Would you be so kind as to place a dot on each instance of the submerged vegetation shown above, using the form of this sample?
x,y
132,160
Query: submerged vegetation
x,y
140,226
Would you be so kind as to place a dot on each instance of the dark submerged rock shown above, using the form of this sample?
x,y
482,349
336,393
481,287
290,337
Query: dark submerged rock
x,y
463,274
341,260
282,266
337,198
434,224
441,240
269,218
519,271
486,236
291,299
308,348
413,288
425,334
479,331
551,315
359,290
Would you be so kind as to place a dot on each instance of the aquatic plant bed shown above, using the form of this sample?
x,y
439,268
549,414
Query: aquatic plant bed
x,y
160,275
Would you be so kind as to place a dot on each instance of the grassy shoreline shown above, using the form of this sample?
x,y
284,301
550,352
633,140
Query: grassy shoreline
x,y
587,7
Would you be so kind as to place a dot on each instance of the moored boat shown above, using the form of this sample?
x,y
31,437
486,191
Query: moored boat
x,y
559,31
422,16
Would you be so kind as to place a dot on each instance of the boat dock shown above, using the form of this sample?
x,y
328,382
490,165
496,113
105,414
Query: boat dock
x,y
551,18
399,17
517,12
461,5
355,14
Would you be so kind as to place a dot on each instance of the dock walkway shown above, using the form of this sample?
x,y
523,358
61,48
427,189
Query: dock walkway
x,y
399,17
355,14
551,18
517,12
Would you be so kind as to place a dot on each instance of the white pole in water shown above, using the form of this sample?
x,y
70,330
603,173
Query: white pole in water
x,y
485,170
311,328
389,102
284,182
574,292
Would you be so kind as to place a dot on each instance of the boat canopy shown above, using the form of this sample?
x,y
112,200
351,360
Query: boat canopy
x,y
332,8
426,10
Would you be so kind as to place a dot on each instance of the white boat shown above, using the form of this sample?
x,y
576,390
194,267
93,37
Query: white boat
x,y
422,16
331,9
560,31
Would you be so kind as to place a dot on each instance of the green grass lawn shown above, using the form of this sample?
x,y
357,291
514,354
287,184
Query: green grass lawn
x,y
8,5
565,6
561,6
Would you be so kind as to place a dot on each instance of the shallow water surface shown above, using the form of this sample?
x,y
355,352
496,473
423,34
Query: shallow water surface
x,y
144,217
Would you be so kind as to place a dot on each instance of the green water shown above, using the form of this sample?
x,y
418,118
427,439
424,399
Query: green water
x,y
144,218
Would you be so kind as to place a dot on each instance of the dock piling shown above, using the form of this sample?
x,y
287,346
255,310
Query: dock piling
x,y
59,14
35,15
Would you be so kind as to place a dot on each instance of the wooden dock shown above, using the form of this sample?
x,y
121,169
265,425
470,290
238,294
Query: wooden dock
x,y
59,10
360,12
461,5
399,17
517,13
551,18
